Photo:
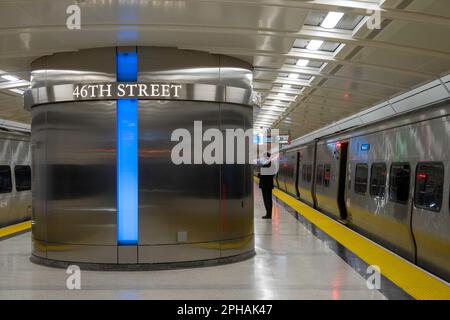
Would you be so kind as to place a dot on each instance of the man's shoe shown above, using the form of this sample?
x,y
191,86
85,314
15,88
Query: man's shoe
x,y
267,217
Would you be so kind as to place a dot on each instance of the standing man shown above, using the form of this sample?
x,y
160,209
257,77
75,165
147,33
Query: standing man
x,y
266,186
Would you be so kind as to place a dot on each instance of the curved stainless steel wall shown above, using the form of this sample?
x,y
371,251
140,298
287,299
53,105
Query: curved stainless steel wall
x,y
186,212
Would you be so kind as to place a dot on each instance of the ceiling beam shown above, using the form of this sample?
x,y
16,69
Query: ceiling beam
x,y
307,84
347,6
14,84
303,54
319,74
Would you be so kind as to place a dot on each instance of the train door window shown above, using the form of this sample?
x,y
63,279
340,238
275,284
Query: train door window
x,y
326,175
319,174
378,180
429,186
23,178
361,176
399,180
309,173
5,179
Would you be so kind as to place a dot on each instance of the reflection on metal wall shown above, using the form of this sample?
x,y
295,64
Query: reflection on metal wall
x,y
186,213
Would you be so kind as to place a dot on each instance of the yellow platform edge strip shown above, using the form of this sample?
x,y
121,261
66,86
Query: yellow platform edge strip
x,y
413,280
16,228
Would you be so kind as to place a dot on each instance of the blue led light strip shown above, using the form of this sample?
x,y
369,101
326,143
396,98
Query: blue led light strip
x,y
127,154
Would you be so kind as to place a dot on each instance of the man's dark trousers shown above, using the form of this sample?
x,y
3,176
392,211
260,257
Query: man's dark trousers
x,y
267,197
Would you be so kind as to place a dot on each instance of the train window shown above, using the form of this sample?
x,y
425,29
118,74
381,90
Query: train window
x,y
326,175
319,176
23,178
306,172
361,176
399,182
378,180
309,173
429,186
5,179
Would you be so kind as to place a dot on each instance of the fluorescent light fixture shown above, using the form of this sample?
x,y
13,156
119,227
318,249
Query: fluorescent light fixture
x,y
274,107
274,111
286,86
314,45
10,78
293,76
302,62
268,114
332,19
19,91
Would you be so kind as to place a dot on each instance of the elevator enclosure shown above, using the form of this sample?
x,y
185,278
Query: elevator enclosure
x,y
187,214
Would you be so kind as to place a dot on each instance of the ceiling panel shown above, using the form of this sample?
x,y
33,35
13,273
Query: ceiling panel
x,y
353,68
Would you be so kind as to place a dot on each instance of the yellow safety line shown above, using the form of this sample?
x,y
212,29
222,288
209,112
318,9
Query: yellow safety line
x,y
7,231
413,280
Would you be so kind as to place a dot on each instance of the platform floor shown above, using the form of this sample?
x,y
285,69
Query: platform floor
x,y
291,263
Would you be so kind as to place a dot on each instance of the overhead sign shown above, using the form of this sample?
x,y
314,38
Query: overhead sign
x,y
119,90
284,139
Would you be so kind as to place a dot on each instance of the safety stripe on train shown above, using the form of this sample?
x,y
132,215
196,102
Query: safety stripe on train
x,y
412,279
16,228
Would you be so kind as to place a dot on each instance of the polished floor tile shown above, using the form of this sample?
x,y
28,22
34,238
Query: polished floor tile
x,y
291,263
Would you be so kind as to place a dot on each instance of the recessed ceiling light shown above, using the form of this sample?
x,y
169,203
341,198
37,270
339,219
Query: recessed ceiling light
x,y
314,45
302,62
10,78
286,86
293,76
332,19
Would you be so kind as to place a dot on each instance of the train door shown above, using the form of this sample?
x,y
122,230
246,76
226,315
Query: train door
x,y
431,219
343,155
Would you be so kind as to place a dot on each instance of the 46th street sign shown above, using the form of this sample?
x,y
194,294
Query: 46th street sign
x,y
119,90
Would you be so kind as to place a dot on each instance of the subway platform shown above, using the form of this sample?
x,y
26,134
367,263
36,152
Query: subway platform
x,y
294,260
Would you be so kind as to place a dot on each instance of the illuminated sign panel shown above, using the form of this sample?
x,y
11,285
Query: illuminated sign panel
x,y
127,151
284,139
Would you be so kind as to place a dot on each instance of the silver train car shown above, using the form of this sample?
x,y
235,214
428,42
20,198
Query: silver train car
x,y
389,181
15,178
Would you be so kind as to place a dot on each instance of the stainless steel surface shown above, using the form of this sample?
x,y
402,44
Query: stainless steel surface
x,y
15,206
127,254
80,253
189,91
83,66
178,66
173,197
432,229
74,167
328,153
385,221
305,188
205,77
74,153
